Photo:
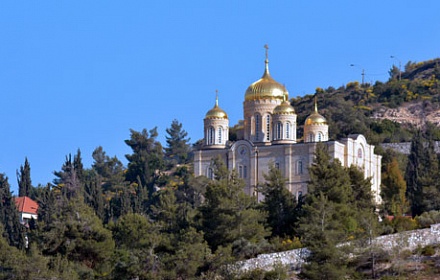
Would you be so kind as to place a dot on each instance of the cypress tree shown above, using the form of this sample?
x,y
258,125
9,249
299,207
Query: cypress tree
x,y
14,231
24,179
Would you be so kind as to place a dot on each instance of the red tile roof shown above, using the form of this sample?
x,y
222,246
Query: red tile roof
x,y
26,205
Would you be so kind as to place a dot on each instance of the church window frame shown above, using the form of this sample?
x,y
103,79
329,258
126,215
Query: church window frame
x,y
220,135
211,135
279,130
287,130
257,127
242,171
300,167
268,127
320,138
360,153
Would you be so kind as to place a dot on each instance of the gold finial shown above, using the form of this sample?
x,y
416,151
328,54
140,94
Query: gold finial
x,y
316,105
216,98
267,59
267,51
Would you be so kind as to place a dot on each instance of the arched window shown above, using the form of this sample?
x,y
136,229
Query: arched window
x,y
211,135
360,153
311,137
279,130
288,130
257,127
299,167
319,136
268,127
220,133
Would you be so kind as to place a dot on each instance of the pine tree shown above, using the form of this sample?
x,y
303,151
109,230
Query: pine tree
x,y
24,179
146,162
279,203
136,240
178,148
329,218
75,232
110,170
228,214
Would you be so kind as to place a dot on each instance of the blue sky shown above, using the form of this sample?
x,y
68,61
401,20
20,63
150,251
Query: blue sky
x,y
80,74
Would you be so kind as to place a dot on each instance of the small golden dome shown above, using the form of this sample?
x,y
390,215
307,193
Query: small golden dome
x,y
216,112
315,117
284,109
266,87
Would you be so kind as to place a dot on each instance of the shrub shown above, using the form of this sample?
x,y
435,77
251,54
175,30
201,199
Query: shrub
x,y
428,251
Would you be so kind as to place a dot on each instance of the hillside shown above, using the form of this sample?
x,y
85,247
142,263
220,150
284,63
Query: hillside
x,y
385,111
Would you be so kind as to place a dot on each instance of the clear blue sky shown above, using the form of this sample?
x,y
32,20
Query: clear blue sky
x,y
80,74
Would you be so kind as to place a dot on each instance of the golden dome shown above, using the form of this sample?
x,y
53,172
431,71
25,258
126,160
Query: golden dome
x,y
284,109
315,117
266,87
216,112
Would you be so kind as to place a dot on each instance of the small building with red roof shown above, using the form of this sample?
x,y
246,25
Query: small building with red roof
x,y
27,209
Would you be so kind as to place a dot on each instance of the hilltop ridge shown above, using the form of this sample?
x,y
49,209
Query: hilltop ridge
x,y
384,111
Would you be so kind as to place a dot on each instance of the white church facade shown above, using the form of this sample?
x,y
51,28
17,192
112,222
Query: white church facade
x,y
268,136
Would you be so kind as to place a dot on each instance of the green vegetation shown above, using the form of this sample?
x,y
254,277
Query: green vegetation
x,y
152,219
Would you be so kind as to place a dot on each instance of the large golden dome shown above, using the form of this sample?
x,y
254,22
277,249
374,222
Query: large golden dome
x,y
315,117
216,112
266,87
284,109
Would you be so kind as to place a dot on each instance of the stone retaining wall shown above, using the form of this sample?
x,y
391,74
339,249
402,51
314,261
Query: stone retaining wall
x,y
405,147
294,259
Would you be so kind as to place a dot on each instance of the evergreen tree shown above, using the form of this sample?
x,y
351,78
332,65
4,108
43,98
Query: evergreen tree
x,y
14,231
94,197
329,218
67,180
15,264
228,214
136,241
146,162
164,210
279,203
393,190
431,178
76,233
78,166
24,179
413,172
110,170
178,148
422,176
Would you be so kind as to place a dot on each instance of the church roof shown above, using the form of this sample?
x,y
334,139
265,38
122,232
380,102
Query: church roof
x,y
216,112
266,87
284,109
315,117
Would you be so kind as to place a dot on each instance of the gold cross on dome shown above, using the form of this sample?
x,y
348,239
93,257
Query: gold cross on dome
x,y
267,49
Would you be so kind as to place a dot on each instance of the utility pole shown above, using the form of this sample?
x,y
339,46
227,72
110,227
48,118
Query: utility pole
x,y
362,73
